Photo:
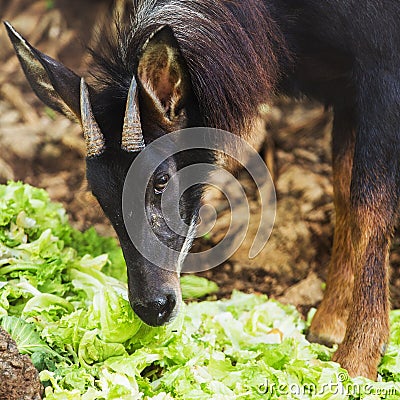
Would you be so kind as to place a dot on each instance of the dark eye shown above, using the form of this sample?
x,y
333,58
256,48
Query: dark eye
x,y
160,183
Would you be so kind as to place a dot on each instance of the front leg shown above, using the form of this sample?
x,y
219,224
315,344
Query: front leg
x,y
368,323
375,194
330,321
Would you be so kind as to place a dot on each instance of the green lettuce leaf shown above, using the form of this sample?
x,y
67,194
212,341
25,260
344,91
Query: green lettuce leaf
x,y
194,287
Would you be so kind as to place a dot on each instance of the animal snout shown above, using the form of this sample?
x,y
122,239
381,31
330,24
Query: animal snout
x,y
158,311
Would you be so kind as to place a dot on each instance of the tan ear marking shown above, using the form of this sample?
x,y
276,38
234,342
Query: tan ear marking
x,y
161,71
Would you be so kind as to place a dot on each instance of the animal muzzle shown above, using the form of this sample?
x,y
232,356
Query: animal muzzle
x,y
154,294
159,310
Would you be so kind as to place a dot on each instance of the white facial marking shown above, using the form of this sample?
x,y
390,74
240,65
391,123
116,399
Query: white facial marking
x,y
187,244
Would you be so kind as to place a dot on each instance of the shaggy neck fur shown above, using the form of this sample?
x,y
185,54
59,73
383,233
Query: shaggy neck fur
x,y
233,51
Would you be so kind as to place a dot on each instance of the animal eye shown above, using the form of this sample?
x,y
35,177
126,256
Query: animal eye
x,y
161,183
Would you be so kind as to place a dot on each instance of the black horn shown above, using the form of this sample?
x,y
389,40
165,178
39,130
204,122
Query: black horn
x,y
132,136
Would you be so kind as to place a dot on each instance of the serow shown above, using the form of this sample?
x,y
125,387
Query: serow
x,y
176,64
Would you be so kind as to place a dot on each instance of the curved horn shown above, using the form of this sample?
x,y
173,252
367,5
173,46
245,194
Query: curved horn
x,y
95,143
132,136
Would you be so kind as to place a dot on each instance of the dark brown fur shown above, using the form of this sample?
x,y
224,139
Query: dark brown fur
x,y
215,52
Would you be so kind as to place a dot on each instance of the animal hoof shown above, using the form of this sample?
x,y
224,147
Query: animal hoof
x,y
326,330
316,338
358,362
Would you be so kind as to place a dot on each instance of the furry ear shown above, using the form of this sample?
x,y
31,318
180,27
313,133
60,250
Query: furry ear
x,y
56,85
163,73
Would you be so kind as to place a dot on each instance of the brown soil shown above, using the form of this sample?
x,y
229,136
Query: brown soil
x,y
19,378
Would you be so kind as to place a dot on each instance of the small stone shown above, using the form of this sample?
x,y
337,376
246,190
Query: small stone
x,y
3,346
17,363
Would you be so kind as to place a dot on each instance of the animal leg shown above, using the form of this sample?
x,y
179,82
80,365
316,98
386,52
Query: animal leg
x,y
374,204
329,323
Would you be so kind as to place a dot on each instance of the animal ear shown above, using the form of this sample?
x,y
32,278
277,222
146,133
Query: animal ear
x,y
162,71
56,85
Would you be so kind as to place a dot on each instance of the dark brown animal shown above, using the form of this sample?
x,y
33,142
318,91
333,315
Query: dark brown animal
x,y
210,63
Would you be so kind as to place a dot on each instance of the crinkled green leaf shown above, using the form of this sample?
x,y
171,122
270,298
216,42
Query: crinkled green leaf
x,y
194,287
24,334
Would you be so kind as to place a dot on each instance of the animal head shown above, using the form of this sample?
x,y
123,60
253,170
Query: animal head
x,y
171,65
158,100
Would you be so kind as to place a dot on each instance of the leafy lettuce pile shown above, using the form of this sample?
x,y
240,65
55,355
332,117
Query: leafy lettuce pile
x,y
63,299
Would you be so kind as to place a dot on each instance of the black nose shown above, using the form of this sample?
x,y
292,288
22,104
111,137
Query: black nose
x,y
156,312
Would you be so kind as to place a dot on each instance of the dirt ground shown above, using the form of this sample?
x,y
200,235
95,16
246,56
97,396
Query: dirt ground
x,y
19,379
47,150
